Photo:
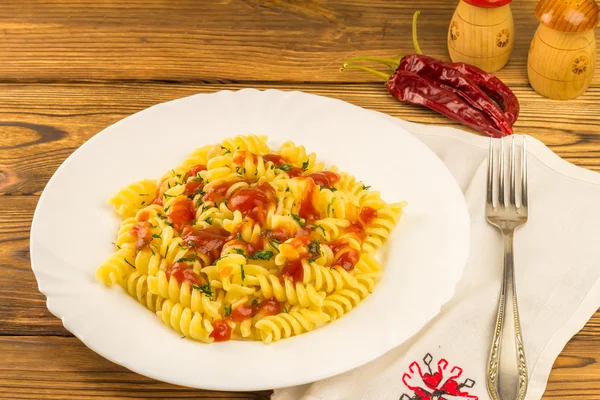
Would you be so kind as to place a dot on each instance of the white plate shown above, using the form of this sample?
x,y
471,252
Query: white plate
x,y
73,228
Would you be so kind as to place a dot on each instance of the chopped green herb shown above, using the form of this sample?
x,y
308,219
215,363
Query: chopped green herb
x,y
287,189
168,195
204,289
329,206
315,227
118,247
190,259
167,208
151,250
285,167
143,202
197,178
274,244
333,189
143,194
240,170
227,151
239,236
262,255
243,273
166,252
366,187
314,249
285,309
183,337
217,260
180,246
156,236
130,264
305,165
228,310
254,302
240,251
209,221
299,220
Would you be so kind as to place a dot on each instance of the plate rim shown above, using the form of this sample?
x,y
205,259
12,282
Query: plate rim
x,y
449,293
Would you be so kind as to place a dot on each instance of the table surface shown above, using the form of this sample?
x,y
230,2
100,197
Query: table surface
x,y
72,67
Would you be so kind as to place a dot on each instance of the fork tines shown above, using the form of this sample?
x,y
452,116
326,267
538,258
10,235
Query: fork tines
x,y
497,177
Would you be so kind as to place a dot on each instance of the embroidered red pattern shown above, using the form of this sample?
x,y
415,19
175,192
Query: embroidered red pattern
x,y
439,385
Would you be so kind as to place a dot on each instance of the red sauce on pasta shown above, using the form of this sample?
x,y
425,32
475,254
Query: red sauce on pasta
x,y
208,240
183,273
221,332
358,230
268,307
181,213
293,271
367,214
143,216
345,256
324,178
240,157
193,172
142,233
307,209
242,312
196,183
218,193
275,159
159,198
253,202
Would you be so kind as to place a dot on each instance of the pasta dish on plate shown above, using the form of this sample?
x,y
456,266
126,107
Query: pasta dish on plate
x,y
245,242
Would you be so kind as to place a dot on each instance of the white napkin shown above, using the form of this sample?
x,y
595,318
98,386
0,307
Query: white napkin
x,y
557,266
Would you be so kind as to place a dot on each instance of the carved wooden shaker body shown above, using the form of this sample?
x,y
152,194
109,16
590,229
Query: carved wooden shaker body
x,y
562,55
482,33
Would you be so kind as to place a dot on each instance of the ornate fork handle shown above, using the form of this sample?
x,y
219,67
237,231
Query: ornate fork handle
x,y
507,292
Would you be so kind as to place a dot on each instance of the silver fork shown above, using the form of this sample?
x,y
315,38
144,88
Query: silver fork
x,y
507,216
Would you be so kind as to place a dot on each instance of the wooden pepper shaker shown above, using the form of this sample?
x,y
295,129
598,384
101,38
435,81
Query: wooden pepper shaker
x,y
481,33
562,56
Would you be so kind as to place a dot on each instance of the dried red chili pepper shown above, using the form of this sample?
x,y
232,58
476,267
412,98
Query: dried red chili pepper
x,y
415,89
465,101
457,82
494,88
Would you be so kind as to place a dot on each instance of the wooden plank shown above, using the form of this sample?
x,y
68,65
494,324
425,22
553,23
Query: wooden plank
x,y
40,125
64,369
224,40
60,368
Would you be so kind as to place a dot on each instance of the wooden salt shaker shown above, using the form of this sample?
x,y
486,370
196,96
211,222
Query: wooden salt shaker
x,y
562,56
481,33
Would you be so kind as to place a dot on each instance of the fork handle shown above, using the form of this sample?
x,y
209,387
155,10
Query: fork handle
x,y
507,292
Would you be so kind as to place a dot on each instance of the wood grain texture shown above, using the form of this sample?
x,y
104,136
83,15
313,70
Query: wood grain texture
x,y
224,40
36,137
64,369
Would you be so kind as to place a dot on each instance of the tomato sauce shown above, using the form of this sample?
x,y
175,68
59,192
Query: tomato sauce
x,y
269,307
159,198
218,193
181,213
293,271
307,209
143,216
324,178
142,233
367,214
183,273
348,257
358,230
275,159
242,312
208,240
240,157
253,202
193,172
221,332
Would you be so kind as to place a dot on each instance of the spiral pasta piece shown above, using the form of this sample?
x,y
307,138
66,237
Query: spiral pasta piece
x,y
292,323
131,198
185,321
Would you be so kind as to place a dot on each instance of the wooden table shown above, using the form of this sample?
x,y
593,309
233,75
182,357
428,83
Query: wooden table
x,y
70,68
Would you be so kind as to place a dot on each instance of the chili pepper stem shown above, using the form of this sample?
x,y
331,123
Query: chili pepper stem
x,y
366,69
390,62
414,33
